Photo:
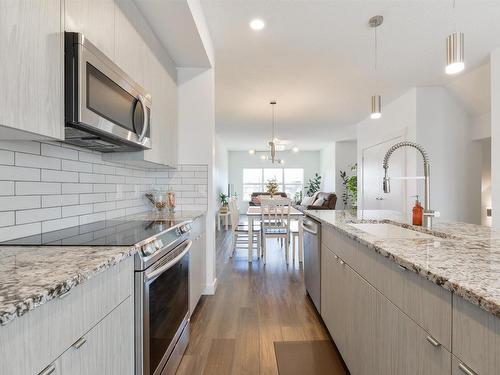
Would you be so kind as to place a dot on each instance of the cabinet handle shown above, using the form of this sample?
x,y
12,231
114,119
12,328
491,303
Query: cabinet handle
x,y
341,261
433,341
65,294
465,369
79,343
402,268
48,370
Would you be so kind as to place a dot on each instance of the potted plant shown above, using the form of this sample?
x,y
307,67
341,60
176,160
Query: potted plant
x,y
313,185
350,183
224,202
272,187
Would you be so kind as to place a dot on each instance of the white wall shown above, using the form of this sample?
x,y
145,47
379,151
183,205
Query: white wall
x,y
431,117
221,169
309,160
485,180
196,130
327,168
495,135
345,157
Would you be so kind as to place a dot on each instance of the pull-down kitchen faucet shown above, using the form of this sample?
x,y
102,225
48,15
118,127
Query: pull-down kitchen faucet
x,y
428,213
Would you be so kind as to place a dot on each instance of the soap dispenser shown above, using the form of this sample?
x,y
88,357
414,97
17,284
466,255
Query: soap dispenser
x,y
418,213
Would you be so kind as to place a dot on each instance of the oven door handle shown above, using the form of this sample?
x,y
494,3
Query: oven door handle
x,y
159,271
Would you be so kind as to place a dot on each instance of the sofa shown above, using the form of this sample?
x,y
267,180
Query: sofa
x,y
322,201
253,201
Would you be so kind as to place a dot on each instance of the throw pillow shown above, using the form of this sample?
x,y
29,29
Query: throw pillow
x,y
319,202
306,201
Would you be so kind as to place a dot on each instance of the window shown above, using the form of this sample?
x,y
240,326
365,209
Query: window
x,y
290,180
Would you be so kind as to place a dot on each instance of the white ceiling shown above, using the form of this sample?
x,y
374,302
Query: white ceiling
x,y
316,59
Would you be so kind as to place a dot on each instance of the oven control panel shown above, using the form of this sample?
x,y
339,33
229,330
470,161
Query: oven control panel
x,y
151,247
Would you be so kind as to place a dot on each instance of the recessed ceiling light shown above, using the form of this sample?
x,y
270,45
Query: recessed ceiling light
x,y
251,151
257,24
295,149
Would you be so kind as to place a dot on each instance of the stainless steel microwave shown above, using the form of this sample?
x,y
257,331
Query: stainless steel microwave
x,y
105,110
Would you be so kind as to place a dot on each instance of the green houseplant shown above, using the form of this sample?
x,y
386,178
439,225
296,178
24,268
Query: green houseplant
x,y
350,183
313,185
224,202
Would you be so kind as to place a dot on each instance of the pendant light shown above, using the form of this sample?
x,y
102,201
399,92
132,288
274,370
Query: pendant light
x,y
376,100
273,142
455,62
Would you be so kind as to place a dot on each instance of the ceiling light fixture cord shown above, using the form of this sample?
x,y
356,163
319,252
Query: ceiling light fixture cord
x,y
453,15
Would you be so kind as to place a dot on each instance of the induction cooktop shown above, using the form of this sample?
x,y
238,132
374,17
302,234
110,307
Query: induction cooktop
x,y
100,233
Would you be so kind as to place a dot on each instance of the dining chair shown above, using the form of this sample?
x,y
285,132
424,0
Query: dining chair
x,y
275,223
240,230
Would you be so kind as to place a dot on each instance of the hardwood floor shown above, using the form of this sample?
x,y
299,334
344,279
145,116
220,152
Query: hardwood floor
x,y
233,331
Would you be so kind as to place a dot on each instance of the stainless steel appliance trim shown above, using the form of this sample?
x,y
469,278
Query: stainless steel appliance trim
x,y
171,347
145,122
175,358
152,274
48,370
308,229
312,260
88,119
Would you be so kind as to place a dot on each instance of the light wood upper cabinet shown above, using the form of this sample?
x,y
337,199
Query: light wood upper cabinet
x,y
95,19
31,68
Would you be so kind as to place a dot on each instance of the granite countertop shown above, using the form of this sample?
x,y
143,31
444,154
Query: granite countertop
x,y
33,275
463,258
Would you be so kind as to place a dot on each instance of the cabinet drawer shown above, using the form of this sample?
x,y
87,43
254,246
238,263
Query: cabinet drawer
x,y
33,341
476,337
426,303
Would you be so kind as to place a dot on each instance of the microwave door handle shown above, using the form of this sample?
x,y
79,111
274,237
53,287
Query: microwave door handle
x,y
159,271
145,121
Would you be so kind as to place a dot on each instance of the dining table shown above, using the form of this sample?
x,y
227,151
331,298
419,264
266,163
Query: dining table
x,y
255,213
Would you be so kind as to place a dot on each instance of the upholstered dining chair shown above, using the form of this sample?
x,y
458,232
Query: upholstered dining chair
x,y
275,223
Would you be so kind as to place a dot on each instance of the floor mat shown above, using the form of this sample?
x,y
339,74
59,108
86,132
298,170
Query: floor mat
x,y
308,358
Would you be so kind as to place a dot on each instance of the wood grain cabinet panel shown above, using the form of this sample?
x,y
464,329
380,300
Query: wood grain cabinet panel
x,y
108,348
95,19
31,342
476,337
31,68
197,263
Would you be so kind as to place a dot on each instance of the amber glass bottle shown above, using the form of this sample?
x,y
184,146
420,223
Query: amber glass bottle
x,y
418,213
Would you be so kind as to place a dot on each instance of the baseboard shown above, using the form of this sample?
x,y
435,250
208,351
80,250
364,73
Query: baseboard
x,y
210,288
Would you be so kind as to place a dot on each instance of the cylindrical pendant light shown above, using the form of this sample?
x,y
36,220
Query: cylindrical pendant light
x,y
376,111
455,62
376,102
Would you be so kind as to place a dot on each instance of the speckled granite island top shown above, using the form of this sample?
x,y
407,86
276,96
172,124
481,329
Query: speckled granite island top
x,y
33,275
463,258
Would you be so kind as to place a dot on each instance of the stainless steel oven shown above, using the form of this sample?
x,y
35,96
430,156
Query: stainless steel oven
x,y
162,302
105,109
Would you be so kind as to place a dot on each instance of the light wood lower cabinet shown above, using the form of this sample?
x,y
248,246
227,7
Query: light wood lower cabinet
x,y
197,263
373,335
107,348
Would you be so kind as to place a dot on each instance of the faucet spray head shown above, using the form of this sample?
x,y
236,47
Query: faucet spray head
x,y
387,185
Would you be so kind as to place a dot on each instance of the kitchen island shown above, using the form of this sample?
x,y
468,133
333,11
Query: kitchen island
x,y
429,304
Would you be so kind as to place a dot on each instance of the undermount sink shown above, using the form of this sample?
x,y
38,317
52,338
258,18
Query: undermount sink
x,y
385,230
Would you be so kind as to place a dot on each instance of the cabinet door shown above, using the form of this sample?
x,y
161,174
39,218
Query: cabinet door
x,y
108,348
31,67
401,347
197,264
95,19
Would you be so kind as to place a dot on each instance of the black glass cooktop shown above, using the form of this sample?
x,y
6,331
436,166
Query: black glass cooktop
x,y
100,233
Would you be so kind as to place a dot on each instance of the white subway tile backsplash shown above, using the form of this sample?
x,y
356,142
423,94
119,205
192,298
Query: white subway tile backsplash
x,y
37,161
21,146
6,188
92,178
75,166
70,188
85,219
18,231
60,200
12,173
40,188
7,218
59,176
6,157
50,186
40,214
92,198
19,203
57,151
48,226
77,210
